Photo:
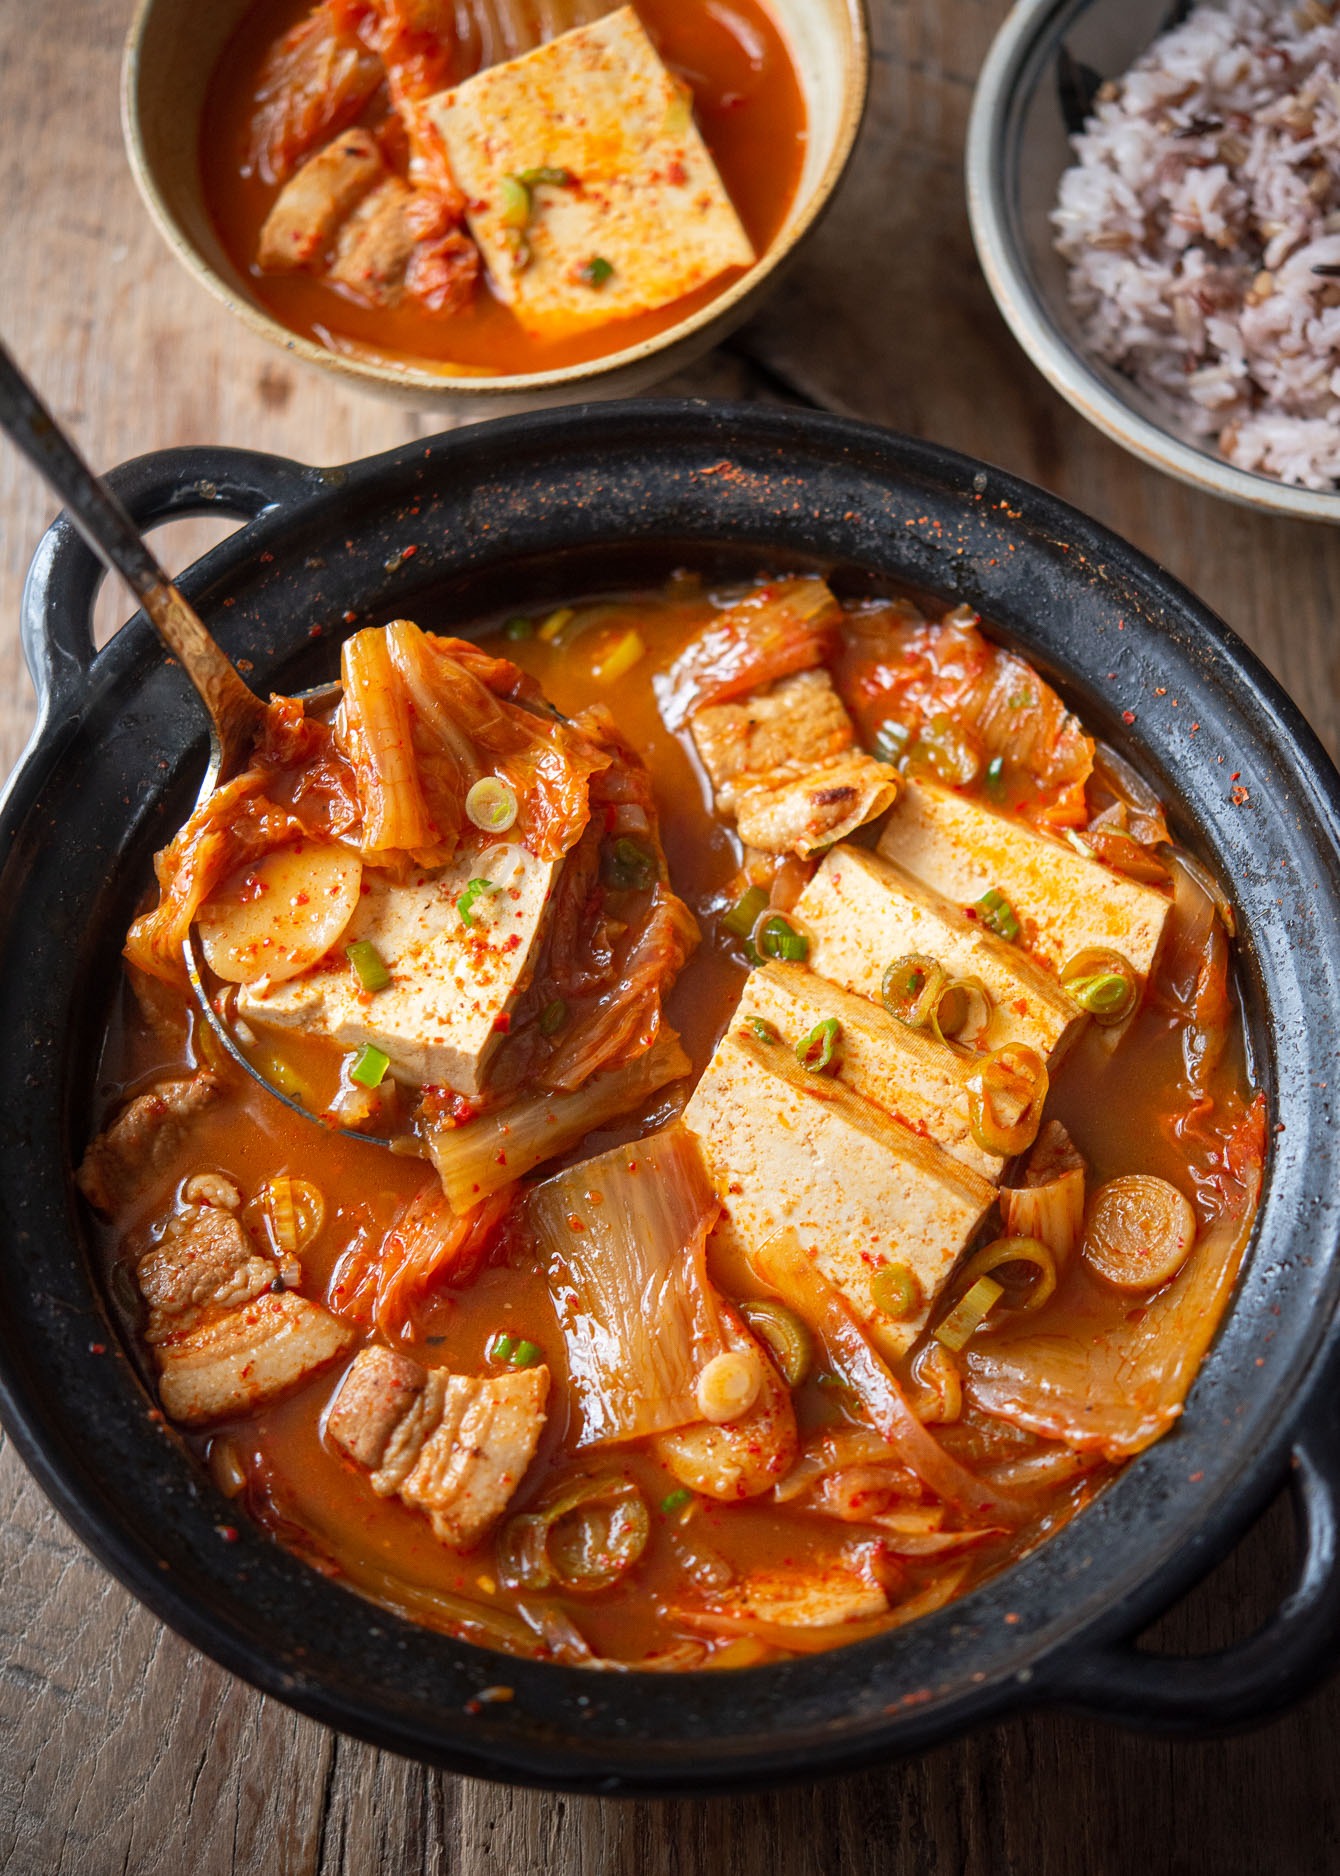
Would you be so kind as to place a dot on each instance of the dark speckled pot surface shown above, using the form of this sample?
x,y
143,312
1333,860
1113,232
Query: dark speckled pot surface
x,y
513,514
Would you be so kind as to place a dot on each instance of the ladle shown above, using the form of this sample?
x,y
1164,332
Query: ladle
x,y
236,713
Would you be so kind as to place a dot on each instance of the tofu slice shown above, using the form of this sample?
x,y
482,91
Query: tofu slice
x,y
302,223
453,1446
452,985
1066,902
647,200
860,1190
784,762
914,1078
224,1339
862,912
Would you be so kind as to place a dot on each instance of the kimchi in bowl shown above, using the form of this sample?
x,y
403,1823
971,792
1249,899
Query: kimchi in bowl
x,y
579,505
175,123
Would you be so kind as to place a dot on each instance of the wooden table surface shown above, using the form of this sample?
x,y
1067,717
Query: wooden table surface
x,y
123,1750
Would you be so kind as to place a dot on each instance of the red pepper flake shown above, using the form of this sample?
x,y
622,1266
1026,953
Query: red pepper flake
x,y
314,631
502,1022
501,1157
1021,1006
1128,716
408,553
1239,796
1012,1619
1236,776
97,1348
1160,690
266,558
228,1532
1195,1478
350,616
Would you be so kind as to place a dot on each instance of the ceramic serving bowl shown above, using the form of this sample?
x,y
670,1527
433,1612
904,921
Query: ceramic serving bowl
x,y
515,516
172,51
1032,94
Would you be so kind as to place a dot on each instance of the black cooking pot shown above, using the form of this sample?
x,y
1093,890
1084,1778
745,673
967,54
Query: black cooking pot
x,y
512,515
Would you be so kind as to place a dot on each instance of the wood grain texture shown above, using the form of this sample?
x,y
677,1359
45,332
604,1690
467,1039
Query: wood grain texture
x,y
121,1750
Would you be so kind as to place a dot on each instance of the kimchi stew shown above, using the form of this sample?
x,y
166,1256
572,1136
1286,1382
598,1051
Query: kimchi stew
x,y
749,1128
499,186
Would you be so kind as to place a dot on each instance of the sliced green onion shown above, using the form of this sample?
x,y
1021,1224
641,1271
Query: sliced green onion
x,y
1006,1096
815,1051
995,776
519,628
676,1501
745,913
895,1292
788,1338
469,907
553,178
596,271
516,202
491,804
1004,1253
554,624
961,1014
763,1029
969,1313
1104,983
776,938
524,1355
370,1066
502,1348
627,866
369,964
553,1016
998,915
912,987
891,740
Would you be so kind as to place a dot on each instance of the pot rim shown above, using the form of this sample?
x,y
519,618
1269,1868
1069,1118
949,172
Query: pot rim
x,y
1070,1595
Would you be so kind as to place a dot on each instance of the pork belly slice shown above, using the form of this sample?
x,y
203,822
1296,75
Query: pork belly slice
x,y
143,1141
374,245
817,1595
1065,901
784,762
787,1149
453,1446
645,198
224,1339
906,1072
862,912
308,210
452,986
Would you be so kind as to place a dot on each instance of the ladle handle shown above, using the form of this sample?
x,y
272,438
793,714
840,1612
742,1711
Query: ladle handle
x,y
236,711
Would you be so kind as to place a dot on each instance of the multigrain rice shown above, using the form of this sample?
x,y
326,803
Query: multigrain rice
x,y
1201,225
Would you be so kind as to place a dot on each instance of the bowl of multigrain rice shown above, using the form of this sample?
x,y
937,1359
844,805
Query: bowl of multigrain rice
x,y
1154,189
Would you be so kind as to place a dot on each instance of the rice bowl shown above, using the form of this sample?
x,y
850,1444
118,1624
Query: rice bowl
x,y
1201,227
1039,84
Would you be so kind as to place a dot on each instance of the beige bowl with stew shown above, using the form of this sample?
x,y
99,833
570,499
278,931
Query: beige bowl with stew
x,y
171,55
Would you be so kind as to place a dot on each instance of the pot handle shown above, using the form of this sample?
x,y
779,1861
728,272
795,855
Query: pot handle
x,y
56,618
1295,1650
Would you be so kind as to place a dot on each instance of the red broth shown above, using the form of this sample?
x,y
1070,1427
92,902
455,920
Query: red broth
x,y
748,105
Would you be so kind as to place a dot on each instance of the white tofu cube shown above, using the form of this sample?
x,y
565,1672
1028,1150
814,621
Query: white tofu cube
x,y
908,1074
1066,902
645,201
452,984
781,1156
862,913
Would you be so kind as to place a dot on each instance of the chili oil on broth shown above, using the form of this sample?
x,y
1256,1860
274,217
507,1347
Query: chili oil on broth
x,y
1121,1107
748,106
